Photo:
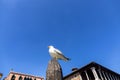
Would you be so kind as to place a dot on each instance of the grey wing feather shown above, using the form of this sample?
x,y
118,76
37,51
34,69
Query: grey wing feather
x,y
60,53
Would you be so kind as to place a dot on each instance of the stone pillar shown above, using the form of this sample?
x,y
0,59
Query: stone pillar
x,y
80,77
104,75
111,78
99,70
95,73
115,77
86,75
54,71
107,75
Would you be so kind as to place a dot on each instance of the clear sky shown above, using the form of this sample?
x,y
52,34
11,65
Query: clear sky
x,y
84,30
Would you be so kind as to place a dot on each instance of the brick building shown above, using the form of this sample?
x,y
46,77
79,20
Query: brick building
x,y
20,76
92,71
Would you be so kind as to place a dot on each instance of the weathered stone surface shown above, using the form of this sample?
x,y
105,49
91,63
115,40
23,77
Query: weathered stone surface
x,y
54,71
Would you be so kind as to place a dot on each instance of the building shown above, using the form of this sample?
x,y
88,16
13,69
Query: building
x,y
92,71
20,76
1,75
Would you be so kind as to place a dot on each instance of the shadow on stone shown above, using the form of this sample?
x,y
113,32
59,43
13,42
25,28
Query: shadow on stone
x,y
54,71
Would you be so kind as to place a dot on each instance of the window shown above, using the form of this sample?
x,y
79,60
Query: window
x,y
106,74
75,75
20,78
13,77
25,78
103,74
98,74
83,75
30,78
90,75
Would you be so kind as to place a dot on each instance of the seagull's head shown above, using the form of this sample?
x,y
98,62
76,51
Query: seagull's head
x,y
50,46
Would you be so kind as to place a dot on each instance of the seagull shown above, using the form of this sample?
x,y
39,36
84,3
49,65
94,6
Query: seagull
x,y
57,54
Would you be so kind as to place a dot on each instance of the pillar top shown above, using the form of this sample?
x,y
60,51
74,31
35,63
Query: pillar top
x,y
54,70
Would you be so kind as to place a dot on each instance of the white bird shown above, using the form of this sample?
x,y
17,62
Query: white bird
x,y
57,54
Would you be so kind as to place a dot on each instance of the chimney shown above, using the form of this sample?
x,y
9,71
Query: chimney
x,y
74,69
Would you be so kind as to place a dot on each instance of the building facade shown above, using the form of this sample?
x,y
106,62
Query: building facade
x,y
92,71
1,75
20,76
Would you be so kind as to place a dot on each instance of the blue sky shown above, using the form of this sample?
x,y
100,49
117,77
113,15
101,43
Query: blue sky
x,y
84,30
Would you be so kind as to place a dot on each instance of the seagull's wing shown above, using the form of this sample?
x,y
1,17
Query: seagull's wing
x,y
57,51
60,54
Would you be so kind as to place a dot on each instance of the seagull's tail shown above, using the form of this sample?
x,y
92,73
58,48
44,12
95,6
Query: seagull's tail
x,y
64,58
67,59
